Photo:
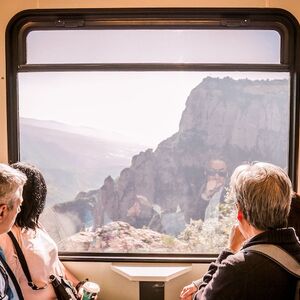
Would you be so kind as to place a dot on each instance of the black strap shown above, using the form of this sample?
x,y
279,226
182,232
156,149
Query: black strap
x,y
12,277
23,262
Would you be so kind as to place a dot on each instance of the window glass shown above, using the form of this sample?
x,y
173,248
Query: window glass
x,y
140,161
153,46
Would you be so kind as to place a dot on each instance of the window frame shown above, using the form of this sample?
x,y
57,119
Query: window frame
x,y
155,18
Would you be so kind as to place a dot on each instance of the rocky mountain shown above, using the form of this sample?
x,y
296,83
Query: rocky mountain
x,y
236,120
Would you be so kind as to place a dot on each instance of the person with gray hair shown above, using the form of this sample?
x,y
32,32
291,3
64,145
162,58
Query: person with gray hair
x,y
11,188
262,193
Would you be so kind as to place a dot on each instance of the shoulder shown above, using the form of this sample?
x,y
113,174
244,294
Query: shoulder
x,y
224,276
244,261
247,271
259,265
4,239
235,261
235,268
228,265
6,244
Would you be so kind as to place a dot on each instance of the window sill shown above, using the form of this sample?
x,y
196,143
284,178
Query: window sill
x,y
151,272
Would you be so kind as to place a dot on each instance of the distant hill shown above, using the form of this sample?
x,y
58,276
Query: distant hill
x,y
81,130
72,159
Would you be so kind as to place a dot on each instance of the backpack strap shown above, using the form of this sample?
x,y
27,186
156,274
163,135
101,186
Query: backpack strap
x,y
12,277
24,263
278,255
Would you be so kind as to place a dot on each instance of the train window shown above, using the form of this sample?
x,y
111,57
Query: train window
x,y
153,46
138,117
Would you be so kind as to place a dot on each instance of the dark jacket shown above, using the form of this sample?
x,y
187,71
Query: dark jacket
x,y
252,276
294,216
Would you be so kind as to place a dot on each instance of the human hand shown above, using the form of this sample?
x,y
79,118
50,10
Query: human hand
x,y
212,186
236,239
134,210
187,292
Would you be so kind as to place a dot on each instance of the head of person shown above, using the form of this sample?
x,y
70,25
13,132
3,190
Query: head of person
x,y
263,194
11,188
34,196
216,169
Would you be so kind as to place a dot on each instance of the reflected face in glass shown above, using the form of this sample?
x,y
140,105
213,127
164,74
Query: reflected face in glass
x,y
217,170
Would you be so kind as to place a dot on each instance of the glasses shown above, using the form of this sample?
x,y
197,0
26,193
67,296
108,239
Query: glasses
x,y
214,172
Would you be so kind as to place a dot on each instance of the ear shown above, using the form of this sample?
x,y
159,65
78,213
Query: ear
x,y
3,211
240,215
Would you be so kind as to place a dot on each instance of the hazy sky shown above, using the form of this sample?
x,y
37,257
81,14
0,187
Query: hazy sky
x,y
148,46
144,107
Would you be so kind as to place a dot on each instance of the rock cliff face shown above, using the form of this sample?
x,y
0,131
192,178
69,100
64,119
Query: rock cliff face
x,y
238,120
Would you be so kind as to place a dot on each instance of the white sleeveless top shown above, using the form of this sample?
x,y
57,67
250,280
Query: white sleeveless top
x,y
41,255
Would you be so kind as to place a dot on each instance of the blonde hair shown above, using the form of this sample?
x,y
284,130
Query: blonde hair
x,y
264,193
10,180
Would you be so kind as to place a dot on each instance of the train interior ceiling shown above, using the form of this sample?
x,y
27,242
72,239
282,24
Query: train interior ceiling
x,y
133,111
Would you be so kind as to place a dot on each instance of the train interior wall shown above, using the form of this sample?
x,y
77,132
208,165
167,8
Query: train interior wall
x,y
115,286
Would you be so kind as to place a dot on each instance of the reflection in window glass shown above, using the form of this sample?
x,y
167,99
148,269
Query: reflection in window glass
x,y
140,161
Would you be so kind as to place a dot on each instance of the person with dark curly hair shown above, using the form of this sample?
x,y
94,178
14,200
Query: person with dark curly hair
x,y
39,249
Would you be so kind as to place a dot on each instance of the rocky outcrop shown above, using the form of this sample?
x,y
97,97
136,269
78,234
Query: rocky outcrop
x,y
238,120
210,236
120,237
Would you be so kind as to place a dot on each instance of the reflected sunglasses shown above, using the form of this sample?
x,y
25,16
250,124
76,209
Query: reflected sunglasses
x,y
214,172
